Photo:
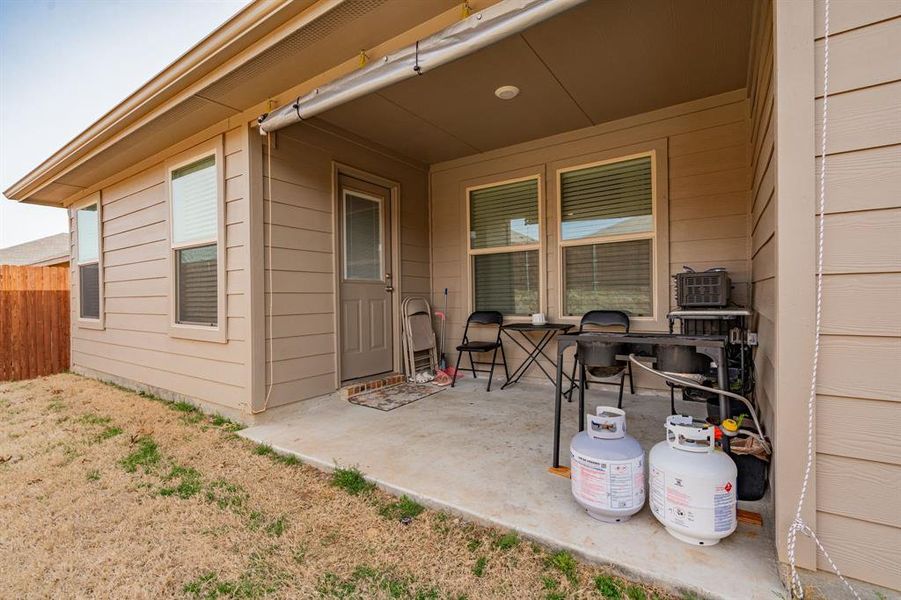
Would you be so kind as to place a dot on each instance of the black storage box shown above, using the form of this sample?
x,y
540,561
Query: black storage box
x,y
709,289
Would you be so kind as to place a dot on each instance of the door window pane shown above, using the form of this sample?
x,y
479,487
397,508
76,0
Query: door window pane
x,y
611,199
504,215
88,232
614,276
506,282
362,238
197,285
194,202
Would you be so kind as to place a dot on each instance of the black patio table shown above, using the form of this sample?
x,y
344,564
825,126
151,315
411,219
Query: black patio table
x,y
548,331
713,346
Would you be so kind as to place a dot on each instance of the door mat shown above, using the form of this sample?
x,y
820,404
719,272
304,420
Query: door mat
x,y
395,396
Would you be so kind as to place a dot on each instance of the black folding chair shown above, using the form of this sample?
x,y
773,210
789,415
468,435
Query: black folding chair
x,y
484,317
603,318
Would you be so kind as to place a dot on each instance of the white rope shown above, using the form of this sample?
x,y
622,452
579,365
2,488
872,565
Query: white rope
x,y
798,525
269,254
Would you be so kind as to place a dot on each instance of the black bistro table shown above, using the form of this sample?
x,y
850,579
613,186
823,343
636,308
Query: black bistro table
x,y
547,331
713,346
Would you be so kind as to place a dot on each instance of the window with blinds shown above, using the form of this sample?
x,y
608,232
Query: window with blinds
x,y
87,224
607,237
611,199
197,285
195,230
614,276
504,242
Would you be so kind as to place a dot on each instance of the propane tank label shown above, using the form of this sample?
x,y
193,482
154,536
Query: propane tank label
x,y
685,502
608,484
724,507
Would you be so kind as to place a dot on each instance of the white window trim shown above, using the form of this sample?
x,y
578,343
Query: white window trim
x,y
659,236
75,273
540,246
206,333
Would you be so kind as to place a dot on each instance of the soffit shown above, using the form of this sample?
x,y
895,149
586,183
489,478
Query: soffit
x,y
598,62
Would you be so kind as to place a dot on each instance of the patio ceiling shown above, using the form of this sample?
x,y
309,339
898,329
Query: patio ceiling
x,y
595,63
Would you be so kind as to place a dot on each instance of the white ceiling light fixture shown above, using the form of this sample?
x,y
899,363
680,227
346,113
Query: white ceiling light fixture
x,y
507,92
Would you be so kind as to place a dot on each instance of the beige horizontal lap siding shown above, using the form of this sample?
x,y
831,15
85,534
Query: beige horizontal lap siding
x,y
762,208
135,344
301,340
858,455
708,184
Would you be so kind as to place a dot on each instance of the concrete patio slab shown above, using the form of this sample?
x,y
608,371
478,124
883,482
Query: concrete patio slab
x,y
485,456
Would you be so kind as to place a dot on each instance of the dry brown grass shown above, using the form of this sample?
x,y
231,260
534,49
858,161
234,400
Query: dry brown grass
x,y
206,514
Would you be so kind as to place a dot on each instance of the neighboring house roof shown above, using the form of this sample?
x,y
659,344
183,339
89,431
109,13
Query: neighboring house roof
x,y
43,252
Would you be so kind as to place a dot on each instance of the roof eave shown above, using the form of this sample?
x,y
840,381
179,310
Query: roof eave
x,y
189,67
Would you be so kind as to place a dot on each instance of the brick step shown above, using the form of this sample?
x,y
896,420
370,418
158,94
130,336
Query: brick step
x,y
360,387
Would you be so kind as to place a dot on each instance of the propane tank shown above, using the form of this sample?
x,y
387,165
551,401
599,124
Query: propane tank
x,y
692,483
607,467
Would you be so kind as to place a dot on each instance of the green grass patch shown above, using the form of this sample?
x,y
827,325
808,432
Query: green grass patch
x,y
473,545
289,460
93,475
608,587
263,450
351,481
277,527
147,455
256,519
332,586
634,592
367,582
185,407
478,569
209,587
564,562
187,482
108,432
92,419
227,496
507,541
56,405
405,508
192,418
225,423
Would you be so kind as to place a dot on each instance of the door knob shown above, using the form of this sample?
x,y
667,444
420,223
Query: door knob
x,y
389,288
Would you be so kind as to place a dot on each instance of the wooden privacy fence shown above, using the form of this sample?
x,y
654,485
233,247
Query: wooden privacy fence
x,y
34,321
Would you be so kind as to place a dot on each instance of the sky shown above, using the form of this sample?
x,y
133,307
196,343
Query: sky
x,y
65,63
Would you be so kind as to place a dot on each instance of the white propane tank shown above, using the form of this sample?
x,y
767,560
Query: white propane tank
x,y
607,467
692,483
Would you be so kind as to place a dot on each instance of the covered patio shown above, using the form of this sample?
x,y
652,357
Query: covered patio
x,y
459,183
485,456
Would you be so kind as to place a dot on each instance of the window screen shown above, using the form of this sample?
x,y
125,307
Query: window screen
x,y
507,282
504,215
197,285
614,276
195,202
89,291
610,199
